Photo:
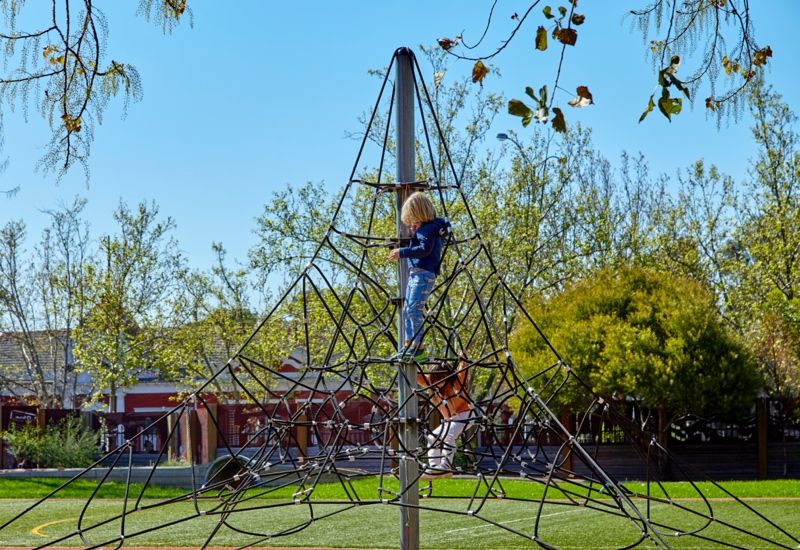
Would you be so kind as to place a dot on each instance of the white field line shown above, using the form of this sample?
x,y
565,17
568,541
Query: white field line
x,y
531,518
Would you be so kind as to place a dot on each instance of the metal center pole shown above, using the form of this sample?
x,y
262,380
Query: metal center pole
x,y
407,375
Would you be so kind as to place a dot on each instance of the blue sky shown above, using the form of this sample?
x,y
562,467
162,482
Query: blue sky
x,y
261,95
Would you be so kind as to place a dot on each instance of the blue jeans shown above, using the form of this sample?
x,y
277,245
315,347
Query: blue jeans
x,y
420,284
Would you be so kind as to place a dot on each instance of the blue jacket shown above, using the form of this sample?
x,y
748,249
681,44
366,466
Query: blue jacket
x,y
425,249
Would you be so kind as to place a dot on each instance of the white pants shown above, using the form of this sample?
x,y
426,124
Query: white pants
x,y
442,441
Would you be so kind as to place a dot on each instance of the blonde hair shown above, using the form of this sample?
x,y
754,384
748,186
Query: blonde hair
x,y
417,209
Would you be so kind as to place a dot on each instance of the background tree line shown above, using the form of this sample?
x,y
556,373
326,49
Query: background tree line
x,y
129,302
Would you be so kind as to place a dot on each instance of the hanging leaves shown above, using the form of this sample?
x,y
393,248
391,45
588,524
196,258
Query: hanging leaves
x,y
668,105
562,32
566,36
479,72
733,66
541,38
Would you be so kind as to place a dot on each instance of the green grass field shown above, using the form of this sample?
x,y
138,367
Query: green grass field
x,y
377,525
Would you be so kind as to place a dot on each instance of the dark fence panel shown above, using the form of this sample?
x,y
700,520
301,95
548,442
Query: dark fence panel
x,y
119,427
717,461
723,450
18,416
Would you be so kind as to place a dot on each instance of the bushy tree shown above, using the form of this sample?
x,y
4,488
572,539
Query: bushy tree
x,y
130,300
214,317
41,301
770,238
644,334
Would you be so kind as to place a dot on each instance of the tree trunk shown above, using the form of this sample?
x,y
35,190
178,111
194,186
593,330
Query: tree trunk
x,y
112,397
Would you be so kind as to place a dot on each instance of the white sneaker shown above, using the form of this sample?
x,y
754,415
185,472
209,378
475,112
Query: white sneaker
x,y
435,473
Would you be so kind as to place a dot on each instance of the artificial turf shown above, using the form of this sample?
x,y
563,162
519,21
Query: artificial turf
x,y
509,522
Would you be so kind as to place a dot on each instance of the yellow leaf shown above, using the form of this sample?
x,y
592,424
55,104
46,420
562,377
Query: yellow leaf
x,y
541,38
760,56
479,71
71,124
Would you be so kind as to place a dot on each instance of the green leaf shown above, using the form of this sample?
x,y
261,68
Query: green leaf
x,y
518,108
548,12
543,97
562,10
541,38
670,106
681,87
650,106
559,124
677,105
529,91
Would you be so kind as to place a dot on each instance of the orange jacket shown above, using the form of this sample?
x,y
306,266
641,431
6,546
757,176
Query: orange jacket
x,y
450,394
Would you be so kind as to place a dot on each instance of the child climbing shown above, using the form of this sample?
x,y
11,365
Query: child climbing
x,y
451,399
423,254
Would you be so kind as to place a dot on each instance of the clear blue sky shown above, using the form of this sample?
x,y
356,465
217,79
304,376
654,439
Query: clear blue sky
x,y
261,94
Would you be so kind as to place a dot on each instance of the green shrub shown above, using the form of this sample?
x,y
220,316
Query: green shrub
x,y
24,443
67,444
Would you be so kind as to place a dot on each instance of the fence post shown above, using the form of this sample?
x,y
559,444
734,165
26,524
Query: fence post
x,y
302,435
189,436
567,419
207,433
761,428
2,442
172,442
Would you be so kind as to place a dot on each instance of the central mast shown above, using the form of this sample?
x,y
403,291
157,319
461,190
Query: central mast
x,y
407,375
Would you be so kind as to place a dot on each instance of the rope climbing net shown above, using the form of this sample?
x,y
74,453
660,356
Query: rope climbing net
x,y
337,321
